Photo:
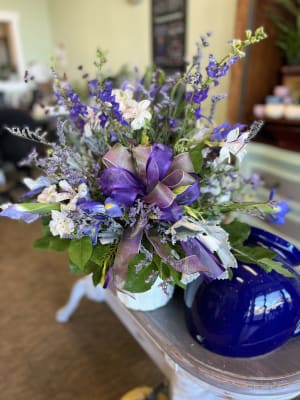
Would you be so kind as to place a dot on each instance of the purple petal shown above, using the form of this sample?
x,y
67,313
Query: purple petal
x,y
121,185
112,208
15,212
206,258
190,195
118,156
278,218
32,193
92,207
172,213
92,231
161,196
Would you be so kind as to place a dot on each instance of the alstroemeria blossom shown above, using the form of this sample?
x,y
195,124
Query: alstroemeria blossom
x,y
135,112
234,144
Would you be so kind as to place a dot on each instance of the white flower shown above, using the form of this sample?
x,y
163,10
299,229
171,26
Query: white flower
x,y
141,115
50,195
211,235
92,122
234,144
60,224
33,184
82,192
136,112
122,97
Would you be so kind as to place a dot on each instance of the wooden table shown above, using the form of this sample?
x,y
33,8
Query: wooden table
x,y
197,374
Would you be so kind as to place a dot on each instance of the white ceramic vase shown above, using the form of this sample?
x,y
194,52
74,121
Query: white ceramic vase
x,y
152,299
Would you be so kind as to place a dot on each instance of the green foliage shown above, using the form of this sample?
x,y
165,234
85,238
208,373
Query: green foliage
x,y
238,233
196,156
288,31
39,208
80,251
49,242
136,282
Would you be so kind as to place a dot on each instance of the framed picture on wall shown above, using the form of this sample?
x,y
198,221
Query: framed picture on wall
x,y
168,34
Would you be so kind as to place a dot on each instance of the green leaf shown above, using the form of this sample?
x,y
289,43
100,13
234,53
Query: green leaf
x,y
238,231
58,244
42,243
196,156
262,257
252,254
80,251
276,266
136,281
39,208
100,253
75,270
51,243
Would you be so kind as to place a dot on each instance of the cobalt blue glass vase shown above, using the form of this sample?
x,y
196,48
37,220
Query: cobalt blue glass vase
x,y
253,313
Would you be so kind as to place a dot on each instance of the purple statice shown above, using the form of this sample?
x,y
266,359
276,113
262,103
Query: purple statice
x,y
152,277
148,256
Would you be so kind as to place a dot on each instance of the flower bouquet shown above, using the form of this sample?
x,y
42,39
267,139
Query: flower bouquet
x,y
141,186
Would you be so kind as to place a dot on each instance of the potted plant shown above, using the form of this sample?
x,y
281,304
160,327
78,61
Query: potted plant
x,y
285,15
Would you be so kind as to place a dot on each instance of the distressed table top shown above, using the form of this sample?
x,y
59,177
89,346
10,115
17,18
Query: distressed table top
x,y
165,327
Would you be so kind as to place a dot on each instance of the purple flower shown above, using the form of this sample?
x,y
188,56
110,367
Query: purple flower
x,y
100,210
221,132
278,217
216,70
15,211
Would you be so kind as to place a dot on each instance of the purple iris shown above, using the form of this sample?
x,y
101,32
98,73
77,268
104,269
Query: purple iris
x,y
152,174
15,211
110,208
98,212
221,132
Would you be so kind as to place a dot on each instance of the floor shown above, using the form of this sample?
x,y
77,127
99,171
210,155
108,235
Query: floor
x,y
91,357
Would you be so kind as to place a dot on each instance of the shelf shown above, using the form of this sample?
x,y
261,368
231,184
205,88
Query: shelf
x,y
199,373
